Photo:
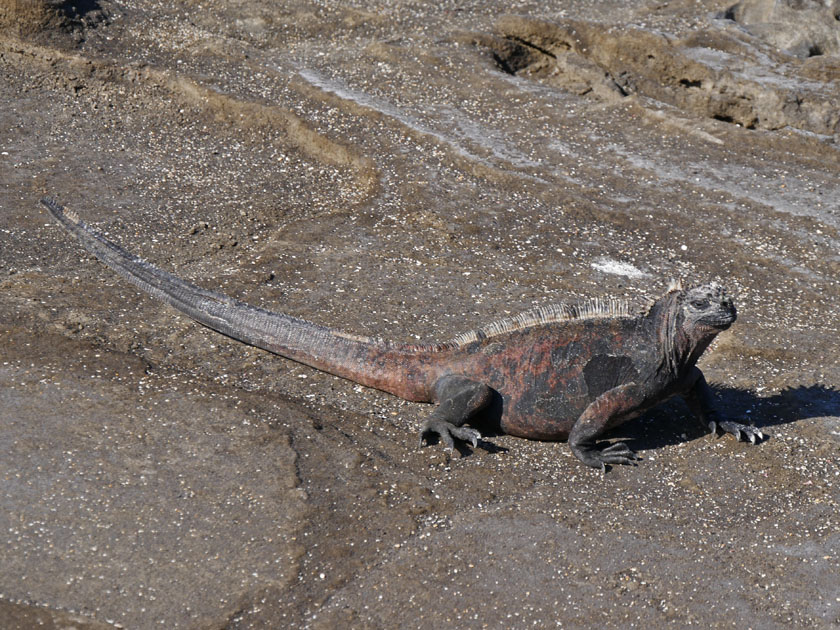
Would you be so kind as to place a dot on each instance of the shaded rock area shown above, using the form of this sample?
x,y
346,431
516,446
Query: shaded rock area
x,y
712,72
50,19
412,171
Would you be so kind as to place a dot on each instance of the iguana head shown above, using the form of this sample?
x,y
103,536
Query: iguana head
x,y
690,319
706,309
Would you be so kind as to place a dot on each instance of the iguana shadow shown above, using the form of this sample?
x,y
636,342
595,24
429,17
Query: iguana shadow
x,y
672,423
79,8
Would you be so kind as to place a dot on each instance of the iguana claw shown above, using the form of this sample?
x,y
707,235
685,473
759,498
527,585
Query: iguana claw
x,y
738,430
618,453
459,399
448,432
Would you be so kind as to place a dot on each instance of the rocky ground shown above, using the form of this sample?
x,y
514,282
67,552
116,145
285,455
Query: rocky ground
x,y
411,170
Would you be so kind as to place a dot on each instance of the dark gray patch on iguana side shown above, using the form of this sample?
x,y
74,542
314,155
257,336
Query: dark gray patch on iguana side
x,y
603,372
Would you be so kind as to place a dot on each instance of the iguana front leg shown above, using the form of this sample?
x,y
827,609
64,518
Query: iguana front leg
x,y
698,395
458,400
608,410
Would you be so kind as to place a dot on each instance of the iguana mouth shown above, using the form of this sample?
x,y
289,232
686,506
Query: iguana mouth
x,y
720,321
720,324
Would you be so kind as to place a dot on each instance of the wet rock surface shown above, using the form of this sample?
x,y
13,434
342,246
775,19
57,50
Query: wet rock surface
x,y
410,171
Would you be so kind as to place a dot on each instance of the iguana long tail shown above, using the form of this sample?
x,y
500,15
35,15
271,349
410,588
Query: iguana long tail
x,y
398,369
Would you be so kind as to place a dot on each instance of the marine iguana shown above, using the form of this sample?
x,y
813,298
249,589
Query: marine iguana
x,y
558,373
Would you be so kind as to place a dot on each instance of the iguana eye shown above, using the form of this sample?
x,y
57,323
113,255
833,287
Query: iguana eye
x,y
700,304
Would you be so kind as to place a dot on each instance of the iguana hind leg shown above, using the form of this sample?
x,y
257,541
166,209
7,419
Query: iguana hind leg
x,y
458,399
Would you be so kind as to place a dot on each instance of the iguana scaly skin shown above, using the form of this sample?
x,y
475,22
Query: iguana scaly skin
x,y
557,373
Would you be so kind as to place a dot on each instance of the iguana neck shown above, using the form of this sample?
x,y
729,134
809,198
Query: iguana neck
x,y
679,349
675,346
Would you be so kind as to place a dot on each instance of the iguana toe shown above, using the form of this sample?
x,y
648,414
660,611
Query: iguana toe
x,y
738,430
618,453
466,434
431,429
447,433
615,454
618,448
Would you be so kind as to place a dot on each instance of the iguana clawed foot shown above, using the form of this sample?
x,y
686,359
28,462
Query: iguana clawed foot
x,y
448,433
749,432
618,453
459,400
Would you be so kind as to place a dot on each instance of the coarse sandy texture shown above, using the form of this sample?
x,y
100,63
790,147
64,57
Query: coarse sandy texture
x,y
410,170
